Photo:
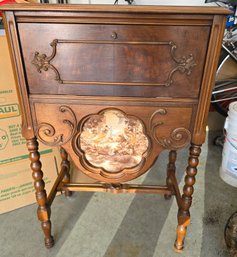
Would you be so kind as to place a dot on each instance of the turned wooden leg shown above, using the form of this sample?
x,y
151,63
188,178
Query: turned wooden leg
x,y
41,197
65,162
183,214
170,170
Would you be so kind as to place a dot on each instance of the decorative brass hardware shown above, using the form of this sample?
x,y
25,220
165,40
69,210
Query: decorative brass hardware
x,y
179,137
185,64
46,131
42,62
114,35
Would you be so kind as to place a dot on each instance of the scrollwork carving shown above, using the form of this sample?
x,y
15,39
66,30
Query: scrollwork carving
x,y
42,62
154,125
46,132
185,64
178,138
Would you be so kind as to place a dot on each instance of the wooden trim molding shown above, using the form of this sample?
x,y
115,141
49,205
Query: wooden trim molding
x,y
15,52
185,64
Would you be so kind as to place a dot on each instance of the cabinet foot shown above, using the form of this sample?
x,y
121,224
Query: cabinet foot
x,y
49,240
181,233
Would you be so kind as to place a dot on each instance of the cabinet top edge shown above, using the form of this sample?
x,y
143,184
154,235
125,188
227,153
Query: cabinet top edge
x,y
102,8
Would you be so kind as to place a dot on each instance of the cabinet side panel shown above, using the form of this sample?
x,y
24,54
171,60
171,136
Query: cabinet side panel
x,y
15,52
208,78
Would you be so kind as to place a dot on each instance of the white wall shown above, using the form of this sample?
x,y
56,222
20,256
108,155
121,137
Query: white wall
x,y
143,2
171,2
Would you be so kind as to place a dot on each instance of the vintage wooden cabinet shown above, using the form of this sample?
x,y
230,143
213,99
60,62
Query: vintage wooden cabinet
x,y
114,86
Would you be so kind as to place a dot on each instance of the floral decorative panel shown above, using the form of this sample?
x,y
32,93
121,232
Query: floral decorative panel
x,y
113,141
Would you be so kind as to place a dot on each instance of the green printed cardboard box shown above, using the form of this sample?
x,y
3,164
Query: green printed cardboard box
x,y
16,184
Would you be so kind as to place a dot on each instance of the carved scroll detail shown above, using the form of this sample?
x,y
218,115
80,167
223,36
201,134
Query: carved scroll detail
x,y
178,138
153,125
185,64
42,62
46,132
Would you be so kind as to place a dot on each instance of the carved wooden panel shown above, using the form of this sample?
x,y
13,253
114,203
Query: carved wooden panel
x,y
141,132
137,65
179,137
123,60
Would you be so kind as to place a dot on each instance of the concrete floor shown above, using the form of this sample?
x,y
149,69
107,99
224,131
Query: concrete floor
x,y
106,225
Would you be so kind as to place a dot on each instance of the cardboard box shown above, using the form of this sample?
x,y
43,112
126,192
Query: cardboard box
x,y
16,183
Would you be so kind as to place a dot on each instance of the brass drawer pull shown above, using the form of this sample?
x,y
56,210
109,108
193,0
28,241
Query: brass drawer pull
x,y
114,35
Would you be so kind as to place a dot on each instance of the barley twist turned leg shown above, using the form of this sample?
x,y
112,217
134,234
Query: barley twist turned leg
x,y
41,197
170,170
65,162
183,214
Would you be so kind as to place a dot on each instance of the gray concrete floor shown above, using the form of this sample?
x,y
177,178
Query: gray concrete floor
x,y
106,225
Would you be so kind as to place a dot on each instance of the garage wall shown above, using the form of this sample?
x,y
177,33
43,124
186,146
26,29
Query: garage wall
x,y
142,2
